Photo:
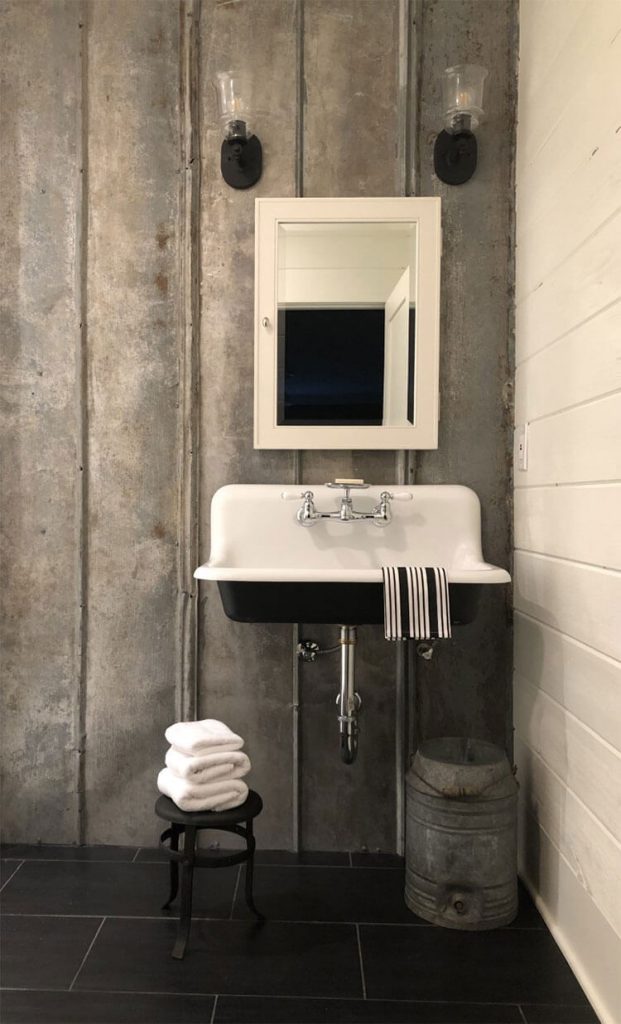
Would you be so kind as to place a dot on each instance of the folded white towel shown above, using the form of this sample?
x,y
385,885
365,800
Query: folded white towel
x,y
202,737
213,796
230,764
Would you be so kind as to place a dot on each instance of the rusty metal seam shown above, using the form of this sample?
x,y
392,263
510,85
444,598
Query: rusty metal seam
x,y
401,457
297,455
188,327
82,418
513,49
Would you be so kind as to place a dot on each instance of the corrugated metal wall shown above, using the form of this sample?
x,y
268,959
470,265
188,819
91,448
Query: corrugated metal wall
x,y
129,339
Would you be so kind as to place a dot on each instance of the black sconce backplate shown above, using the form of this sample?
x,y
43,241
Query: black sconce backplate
x,y
241,161
455,157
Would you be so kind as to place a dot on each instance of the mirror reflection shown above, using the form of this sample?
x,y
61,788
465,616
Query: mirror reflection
x,y
346,324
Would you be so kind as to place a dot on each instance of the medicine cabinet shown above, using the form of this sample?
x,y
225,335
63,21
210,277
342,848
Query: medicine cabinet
x,y
347,323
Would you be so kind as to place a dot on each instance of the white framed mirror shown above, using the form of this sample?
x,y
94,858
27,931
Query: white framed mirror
x,y
347,295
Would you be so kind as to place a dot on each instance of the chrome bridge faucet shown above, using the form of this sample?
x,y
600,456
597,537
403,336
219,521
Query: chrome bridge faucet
x,y
380,514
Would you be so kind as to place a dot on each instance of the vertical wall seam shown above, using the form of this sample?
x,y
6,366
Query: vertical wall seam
x,y
414,147
188,327
402,99
401,457
297,455
513,51
81,400
300,98
413,169
196,319
417,36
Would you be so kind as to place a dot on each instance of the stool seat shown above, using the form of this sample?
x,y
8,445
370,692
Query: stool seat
x,y
252,805
187,825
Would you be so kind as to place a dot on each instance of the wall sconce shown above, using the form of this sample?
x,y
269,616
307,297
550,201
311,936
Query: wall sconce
x,y
455,150
241,157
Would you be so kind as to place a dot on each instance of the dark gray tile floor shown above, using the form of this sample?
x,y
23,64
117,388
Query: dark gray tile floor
x,y
84,941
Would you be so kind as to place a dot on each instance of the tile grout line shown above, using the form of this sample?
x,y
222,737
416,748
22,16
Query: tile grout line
x,y
137,917
235,892
274,920
12,875
81,860
364,984
333,867
213,1010
85,957
158,859
262,995
144,860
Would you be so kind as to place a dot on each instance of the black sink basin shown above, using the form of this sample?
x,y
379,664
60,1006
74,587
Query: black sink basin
x,y
356,604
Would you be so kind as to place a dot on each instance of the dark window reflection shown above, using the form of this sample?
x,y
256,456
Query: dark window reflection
x,y
330,367
411,336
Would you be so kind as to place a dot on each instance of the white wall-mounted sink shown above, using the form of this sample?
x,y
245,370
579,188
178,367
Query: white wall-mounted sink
x,y
269,568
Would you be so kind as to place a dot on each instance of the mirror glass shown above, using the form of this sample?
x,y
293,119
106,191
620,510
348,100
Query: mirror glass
x,y
346,324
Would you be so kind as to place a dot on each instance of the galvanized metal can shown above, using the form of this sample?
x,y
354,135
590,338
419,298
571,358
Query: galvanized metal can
x,y
461,835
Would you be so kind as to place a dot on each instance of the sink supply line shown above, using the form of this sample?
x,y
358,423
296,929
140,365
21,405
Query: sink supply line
x,y
348,700
309,650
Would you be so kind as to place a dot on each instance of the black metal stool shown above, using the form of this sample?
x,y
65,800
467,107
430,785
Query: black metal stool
x,y
188,823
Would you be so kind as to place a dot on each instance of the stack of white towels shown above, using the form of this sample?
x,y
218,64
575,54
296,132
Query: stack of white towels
x,y
204,766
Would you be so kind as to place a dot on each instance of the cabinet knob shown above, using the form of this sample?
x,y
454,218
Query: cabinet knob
x,y
265,321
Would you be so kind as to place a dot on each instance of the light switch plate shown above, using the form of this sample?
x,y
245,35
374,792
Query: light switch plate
x,y
521,446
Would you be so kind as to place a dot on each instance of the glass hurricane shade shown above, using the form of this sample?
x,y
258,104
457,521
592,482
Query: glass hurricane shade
x,y
462,96
233,89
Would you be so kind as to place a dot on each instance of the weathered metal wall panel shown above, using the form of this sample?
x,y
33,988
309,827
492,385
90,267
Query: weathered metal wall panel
x,y
244,670
466,688
351,147
40,309
330,104
133,397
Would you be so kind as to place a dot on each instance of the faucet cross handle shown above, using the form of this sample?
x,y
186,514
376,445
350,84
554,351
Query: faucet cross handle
x,y
307,514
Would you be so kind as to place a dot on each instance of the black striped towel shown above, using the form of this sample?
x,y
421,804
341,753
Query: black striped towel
x,y
416,603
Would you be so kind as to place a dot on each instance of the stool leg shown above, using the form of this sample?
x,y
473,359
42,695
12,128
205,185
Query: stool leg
x,y
175,832
185,917
249,873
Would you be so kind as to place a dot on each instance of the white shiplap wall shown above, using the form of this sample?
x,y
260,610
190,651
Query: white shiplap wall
x,y
568,502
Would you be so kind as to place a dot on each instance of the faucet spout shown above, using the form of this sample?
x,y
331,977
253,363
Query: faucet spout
x,y
347,508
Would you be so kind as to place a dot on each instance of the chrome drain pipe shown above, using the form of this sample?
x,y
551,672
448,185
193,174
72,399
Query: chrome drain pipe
x,y
348,701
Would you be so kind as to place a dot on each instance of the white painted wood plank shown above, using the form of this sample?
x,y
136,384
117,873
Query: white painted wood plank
x,y
545,26
589,767
576,446
574,213
588,847
585,938
549,176
594,33
583,284
585,121
577,599
581,366
585,682
580,523
568,330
